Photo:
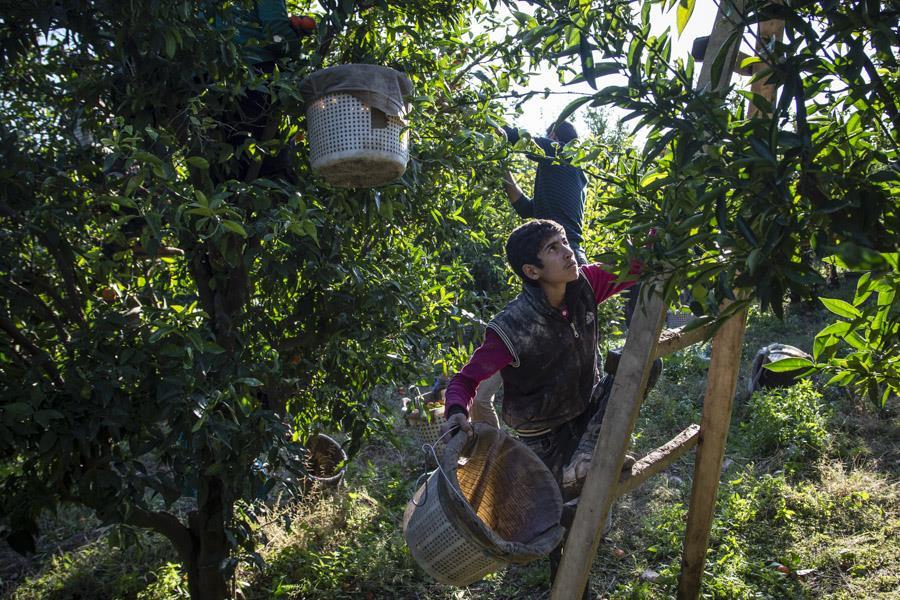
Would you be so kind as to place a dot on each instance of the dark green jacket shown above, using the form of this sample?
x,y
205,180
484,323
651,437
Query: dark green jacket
x,y
264,31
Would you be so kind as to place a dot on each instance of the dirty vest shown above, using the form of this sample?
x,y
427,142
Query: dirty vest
x,y
554,365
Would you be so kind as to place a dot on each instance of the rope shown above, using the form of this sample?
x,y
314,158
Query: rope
x,y
425,449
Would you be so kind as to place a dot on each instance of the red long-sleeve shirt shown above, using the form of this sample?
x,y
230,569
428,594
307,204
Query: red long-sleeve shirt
x,y
493,354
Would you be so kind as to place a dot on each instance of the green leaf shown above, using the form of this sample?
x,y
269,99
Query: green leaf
x,y
198,162
839,328
854,340
310,228
160,333
823,343
762,150
754,259
43,417
683,14
789,364
170,44
841,308
719,62
862,289
572,107
842,378
745,230
234,227
17,410
651,177
587,61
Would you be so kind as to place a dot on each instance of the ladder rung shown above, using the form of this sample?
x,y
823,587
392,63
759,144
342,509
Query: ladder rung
x,y
659,459
673,340
645,468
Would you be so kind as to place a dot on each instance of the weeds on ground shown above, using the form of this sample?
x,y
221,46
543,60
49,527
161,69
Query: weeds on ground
x,y
808,508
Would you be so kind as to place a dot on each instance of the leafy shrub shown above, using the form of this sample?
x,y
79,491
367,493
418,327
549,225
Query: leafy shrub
x,y
792,420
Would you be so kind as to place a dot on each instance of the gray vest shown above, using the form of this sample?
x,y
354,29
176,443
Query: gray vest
x,y
554,364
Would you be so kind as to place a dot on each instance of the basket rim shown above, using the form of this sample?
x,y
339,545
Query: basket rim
x,y
334,443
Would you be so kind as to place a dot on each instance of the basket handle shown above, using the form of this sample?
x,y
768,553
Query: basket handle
x,y
430,447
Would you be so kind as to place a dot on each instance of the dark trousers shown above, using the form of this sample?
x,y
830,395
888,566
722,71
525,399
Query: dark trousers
x,y
557,447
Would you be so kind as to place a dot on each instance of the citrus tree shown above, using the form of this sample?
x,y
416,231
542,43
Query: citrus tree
x,y
747,193
183,302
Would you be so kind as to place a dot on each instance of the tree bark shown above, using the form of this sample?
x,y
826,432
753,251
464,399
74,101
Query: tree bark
x,y
206,569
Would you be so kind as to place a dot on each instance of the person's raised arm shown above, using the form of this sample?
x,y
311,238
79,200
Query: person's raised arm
x,y
522,204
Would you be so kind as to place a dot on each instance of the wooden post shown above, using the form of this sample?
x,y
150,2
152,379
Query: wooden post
x,y
769,32
602,481
728,22
714,424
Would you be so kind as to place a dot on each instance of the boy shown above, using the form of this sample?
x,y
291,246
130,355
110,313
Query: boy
x,y
544,344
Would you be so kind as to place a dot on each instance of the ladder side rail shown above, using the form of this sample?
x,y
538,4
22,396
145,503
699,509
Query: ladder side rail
x,y
602,480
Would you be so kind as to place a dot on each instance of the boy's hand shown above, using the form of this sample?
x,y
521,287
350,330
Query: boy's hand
x,y
456,423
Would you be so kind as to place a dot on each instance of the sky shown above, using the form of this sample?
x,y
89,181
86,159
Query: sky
x,y
540,112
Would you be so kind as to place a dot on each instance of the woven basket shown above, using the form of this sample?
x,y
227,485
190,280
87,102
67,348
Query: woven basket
x,y
427,427
491,503
352,145
325,466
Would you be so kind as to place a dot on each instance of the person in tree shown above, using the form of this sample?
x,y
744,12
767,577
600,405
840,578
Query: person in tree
x,y
559,192
559,188
265,34
544,345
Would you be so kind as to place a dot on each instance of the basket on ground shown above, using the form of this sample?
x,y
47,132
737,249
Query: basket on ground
x,y
427,424
490,503
325,464
424,413
356,116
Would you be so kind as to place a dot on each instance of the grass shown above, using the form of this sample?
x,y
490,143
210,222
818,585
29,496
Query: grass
x,y
808,507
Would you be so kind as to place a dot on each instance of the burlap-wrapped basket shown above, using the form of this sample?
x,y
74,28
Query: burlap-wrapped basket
x,y
356,116
491,503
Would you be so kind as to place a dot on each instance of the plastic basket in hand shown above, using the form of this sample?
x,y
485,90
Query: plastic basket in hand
x,y
490,503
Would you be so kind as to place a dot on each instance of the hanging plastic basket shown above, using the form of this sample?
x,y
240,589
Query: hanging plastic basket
x,y
355,115
490,503
679,318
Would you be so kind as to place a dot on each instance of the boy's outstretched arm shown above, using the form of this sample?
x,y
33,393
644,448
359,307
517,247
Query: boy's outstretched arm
x,y
605,283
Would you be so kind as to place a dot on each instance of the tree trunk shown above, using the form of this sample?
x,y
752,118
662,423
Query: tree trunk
x,y
207,576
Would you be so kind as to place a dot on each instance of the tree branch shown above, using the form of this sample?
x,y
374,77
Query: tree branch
x,y
41,358
168,525
41,308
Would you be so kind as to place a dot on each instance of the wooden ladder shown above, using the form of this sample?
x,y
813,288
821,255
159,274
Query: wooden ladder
x,y
645,342
605,482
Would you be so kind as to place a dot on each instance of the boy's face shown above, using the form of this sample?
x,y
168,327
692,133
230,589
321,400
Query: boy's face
x,y
558,260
